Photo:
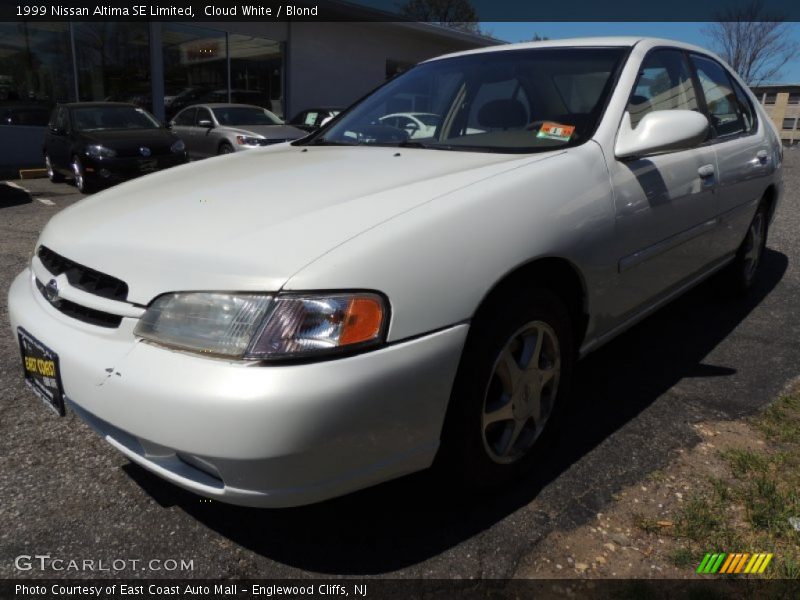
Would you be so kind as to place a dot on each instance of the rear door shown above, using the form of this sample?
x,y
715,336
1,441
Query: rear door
x,y
742,149
664,204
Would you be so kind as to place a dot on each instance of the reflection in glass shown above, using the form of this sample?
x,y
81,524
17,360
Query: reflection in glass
x,y
113,62
35,63
256,72
195,67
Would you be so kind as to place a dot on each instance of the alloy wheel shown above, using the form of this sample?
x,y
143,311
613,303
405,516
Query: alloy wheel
x,y
521,392
754,246
77,172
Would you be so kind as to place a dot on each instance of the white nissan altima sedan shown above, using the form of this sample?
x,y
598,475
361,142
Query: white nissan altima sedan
x,y
300,321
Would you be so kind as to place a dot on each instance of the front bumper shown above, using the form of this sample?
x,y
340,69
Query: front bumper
x,y
272,436
118,169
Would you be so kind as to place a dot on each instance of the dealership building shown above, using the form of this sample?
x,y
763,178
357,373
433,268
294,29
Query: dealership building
x,y
162,66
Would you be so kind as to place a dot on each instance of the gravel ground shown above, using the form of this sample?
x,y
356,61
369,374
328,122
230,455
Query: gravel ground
x,y
66,493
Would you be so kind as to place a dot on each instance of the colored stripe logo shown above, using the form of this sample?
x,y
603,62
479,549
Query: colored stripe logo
x,y
740,562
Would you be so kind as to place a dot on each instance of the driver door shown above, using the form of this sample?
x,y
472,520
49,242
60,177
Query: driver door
x,y
665,205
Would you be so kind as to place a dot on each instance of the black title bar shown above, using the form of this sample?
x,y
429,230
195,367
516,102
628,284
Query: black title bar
x,y
384,10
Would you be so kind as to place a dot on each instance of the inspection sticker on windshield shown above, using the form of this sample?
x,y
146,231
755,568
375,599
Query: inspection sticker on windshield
x,y
555,131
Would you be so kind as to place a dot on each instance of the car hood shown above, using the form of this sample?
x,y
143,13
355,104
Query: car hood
x,y
128,141
283,132
251,220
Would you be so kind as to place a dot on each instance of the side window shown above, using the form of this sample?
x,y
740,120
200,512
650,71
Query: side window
x,y
723,105
745,107
185,118
664,83
203,114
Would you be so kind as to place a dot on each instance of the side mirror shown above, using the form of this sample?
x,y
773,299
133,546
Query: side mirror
x,y
205,123
660,131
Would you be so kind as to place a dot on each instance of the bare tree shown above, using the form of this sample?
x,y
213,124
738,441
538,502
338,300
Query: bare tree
x,y
456,14
539,38
756,44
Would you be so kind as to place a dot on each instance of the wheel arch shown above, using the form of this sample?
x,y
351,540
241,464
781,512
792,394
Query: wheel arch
x,y
556,274
770,198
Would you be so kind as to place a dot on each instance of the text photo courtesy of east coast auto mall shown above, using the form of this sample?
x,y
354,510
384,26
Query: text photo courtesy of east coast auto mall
x,y
399,299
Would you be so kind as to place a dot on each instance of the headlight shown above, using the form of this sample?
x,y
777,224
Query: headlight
x,y
98,151
204,322
317,324
255,326
246,140
178,147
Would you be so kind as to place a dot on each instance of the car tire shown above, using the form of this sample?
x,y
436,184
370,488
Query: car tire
x,y
79,175
52,174
743,271
225,148
494,423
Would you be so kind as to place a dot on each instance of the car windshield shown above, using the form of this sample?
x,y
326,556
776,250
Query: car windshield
x,y
502,101
245,115
426,119
112,117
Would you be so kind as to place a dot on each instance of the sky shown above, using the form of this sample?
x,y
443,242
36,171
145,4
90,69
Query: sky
x,y
685,32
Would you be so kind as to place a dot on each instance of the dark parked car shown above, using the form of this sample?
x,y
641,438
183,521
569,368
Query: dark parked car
x,y
312,119
107,142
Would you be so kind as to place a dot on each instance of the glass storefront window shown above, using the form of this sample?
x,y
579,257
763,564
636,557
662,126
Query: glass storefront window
x,y
113,61
35,63
256,72
195,66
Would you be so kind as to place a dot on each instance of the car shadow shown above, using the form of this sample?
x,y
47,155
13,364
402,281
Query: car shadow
x,y
12,196
404,522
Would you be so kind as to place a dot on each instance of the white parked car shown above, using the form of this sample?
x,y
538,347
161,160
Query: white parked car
x,y
293,323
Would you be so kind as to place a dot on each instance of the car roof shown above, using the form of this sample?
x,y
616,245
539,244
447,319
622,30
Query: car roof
x,y
225,105
96,104
587,42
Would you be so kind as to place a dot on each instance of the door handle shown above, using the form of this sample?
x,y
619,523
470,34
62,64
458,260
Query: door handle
x,y
706,171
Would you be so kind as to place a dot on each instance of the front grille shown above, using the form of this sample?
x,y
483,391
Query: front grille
x,y
84,278
82,313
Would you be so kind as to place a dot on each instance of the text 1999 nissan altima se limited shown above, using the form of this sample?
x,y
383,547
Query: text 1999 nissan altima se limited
x,y
304,320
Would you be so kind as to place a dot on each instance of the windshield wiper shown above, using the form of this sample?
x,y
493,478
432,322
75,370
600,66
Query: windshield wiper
x,y
410,144
321,141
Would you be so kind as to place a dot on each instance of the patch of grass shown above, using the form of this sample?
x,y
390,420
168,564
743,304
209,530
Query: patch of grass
x,y
684,557
766,504
646,524
788,569
744,462
749,510
781,421
722,492
698,520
